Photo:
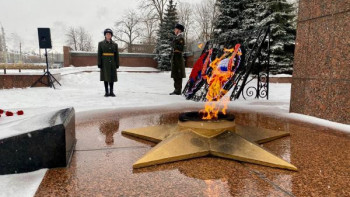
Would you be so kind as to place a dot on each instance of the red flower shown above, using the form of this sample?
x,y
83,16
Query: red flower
x,y
8,113
1,111
20,113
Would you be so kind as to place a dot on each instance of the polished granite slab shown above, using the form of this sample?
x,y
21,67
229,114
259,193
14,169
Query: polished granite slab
x,y
321,71
102,163
44,141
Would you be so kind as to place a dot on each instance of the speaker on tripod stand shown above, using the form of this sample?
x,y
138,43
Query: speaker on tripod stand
x,y
45,43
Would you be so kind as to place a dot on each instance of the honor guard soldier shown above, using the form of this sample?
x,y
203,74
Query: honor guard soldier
x,y
177,62
108,62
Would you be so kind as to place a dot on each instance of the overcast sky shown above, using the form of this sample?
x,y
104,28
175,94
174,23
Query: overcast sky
x,y
21,18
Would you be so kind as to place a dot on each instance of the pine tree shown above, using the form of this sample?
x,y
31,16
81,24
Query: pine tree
x,y
230,17
165,37
243,15
280,15
249,15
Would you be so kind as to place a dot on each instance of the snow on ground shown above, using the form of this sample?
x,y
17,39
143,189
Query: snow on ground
x,y
281,75
21,185
82,90
70,70
13,126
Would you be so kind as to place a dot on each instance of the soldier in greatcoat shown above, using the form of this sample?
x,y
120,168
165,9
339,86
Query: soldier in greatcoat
x,y
108,62
177,62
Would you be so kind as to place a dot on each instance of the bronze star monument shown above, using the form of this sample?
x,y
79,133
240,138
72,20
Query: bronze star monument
x,y
192,138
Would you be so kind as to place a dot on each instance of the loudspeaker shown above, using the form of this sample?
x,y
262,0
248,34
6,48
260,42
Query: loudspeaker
x,y
44,38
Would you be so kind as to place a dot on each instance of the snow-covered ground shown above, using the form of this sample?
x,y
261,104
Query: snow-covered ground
x,y
70,70
82,90
281,75
21,185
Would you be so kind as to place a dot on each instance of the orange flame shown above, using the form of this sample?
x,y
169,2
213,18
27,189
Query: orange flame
x,y
200,45
214,102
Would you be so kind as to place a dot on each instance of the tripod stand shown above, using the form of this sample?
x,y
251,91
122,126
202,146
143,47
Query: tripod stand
x,y
50,78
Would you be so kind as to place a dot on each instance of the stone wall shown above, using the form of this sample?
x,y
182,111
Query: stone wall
x,y
126,59
23,81
321,78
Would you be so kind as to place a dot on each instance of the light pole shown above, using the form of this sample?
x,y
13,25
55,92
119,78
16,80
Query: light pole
x,y
20,52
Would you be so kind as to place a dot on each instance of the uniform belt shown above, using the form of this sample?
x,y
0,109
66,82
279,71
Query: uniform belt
x,y
108,54
177,51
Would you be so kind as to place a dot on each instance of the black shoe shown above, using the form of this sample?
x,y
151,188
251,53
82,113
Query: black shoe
x,y
107,95
112,94
175,93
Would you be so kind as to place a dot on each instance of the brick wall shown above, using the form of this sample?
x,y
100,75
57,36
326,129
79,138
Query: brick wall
x,y
126,59
66,56
22,81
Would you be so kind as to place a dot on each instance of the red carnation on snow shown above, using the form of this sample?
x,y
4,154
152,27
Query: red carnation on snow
x,y
8,113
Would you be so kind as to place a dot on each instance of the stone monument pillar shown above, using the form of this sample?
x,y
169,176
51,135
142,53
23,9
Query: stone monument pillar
x,y
321,78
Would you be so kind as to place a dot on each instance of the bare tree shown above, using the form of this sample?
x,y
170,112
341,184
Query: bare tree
x,y
157,6
85,41
205,18
185,14
16,41
79,39
72,38
128,29
149,27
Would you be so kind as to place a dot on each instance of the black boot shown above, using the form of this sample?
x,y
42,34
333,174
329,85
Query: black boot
x,y
106,89
111,90
175,93
177,86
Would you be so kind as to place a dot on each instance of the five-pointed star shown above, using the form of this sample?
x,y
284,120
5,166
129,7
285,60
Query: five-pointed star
x,y
176,143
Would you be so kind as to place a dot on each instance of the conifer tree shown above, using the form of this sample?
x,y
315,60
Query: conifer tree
x,y
280,15
244,15
166,36
230,17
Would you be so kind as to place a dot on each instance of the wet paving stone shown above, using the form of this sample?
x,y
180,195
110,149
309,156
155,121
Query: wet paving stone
x,y
102,163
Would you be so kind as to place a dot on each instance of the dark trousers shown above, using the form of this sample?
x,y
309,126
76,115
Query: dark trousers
x,y
178,85
110,86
